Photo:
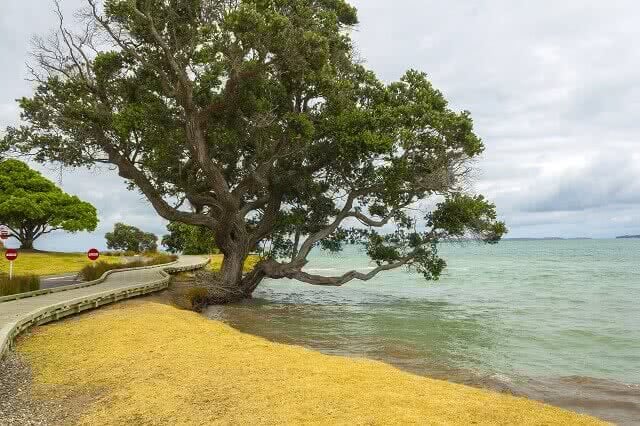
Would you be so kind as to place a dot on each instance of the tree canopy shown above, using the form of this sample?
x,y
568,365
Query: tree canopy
x,y
189,239
256,120
129,238
32,206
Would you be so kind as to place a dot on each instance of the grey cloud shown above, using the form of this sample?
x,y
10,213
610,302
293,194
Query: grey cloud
x,y
552,87
607,181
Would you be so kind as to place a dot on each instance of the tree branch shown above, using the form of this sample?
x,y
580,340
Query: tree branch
x,y
372,222
15,234
164,78
269,219
325,232
349,276
169,55
128,171
253,205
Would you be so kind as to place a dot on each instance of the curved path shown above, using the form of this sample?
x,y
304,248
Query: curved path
x,y
18,315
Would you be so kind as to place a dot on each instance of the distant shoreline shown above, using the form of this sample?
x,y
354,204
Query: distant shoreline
x,y
626,237
547,239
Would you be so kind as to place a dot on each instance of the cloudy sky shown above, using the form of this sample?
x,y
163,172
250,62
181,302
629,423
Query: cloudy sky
x,y
553,87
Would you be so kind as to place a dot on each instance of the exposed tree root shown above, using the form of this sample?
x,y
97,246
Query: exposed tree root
x,y
198,290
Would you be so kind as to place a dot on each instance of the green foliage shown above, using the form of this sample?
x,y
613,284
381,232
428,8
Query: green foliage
x,y
97,269
33,206
189,239
462,215
255,120
130,239
94,271
18,284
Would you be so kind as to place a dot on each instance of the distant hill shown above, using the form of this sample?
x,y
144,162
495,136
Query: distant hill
x,y
627,236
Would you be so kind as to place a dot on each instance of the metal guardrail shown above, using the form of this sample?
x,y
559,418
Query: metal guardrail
x,y
56,311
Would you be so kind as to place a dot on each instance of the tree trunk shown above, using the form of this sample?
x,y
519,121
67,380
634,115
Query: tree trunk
x,y
26,244
230,285
231,270
26,236
296,243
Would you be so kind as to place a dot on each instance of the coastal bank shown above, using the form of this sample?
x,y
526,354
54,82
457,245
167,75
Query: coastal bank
x,y
150,363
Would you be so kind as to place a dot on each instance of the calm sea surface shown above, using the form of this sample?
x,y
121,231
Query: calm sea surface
x,y
558,321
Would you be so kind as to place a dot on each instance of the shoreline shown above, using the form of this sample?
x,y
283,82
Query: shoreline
x,y
148,361
607,399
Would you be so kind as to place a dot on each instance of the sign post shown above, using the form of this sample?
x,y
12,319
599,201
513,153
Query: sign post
x,y
93,255
11,255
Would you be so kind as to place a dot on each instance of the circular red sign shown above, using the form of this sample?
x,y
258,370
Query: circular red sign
x,y
11,254
93,254
4,233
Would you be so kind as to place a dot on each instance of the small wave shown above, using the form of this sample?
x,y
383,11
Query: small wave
x,y
501,378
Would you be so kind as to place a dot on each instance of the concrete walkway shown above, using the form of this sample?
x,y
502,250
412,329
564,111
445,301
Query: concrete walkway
x,y
18,315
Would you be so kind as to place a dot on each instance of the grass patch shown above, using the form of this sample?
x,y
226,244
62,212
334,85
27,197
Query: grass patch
x,y
93,272
48,263
18,284
216,262
156,364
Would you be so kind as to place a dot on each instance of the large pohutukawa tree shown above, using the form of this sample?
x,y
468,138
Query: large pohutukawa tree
x,y
255,119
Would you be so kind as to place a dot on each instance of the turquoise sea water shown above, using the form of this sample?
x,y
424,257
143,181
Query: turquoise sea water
x,y
554,320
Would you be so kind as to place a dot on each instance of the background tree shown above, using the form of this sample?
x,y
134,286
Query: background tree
x,y
32,206
148,243
254,119
189,239
129,238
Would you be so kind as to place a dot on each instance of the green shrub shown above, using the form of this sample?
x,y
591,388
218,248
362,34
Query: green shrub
x,y
162,258
96,269
18,284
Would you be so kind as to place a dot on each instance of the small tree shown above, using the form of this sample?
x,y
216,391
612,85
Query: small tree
x,y
129,238
188,239
32,206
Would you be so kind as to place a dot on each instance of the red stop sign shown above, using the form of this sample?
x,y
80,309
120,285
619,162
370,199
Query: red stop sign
x,y
93,254
11,254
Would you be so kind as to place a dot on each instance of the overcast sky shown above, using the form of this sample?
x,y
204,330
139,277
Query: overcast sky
x,y
554,89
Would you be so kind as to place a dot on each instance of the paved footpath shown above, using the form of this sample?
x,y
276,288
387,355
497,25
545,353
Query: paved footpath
x,y
18,315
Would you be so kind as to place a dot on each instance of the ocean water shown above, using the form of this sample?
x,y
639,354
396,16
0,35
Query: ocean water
x,y
557,321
